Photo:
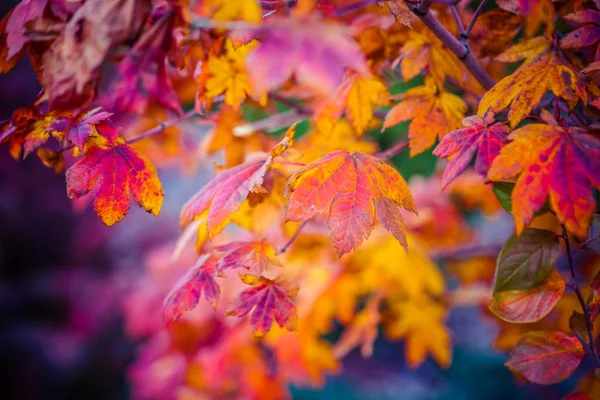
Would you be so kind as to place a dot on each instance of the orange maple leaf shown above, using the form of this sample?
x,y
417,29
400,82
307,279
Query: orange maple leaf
x,y
267,299
223,195
434,113
352,188
555,160
113,171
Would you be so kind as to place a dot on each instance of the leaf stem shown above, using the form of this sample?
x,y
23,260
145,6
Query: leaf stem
x,y
293,238
461,50
162,126
461,28
575,286
392,151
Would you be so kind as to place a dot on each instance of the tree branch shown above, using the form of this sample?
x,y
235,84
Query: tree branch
x,y
461,50
292,239
575,286
162,126
392,151
476,15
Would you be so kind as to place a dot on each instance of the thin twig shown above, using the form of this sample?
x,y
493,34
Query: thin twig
x,y
590,240
163,125
293,238
349,9
575,286
476,15
392,151
461,28
461,50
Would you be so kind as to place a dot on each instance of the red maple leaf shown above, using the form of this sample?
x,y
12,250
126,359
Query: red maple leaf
x,y
188,290
113,171
267,299
479,138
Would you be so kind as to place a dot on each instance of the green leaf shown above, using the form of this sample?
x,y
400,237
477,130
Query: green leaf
x,y
579,326
503,192
526,260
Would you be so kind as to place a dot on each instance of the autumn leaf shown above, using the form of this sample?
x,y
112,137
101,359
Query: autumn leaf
x,y
434,113
545,357
316,53
363,96
351,188
422,327
79,129
585,36
526,260
480,138
359,96
254,256
530,304
70,64
6,63
186,294
551,160
225,10
24,12
28,130
143,72
546,69
362,331
494,31
225,74
267,300
113,171
423,51
222,196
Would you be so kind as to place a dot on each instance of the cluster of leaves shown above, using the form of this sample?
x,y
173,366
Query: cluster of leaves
x,y
308,209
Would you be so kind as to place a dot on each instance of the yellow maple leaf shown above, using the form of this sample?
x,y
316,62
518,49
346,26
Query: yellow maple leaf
x,y
434,112
226,74
422,327
227,10
357,95
546,68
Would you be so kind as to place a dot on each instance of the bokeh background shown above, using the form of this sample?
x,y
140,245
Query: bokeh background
x,y
64,278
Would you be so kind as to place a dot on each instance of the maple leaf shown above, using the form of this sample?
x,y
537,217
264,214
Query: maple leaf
x,y
551,160
113,171
480,138
143,72
79,129
359,96
267,299
6,63
434,113
362,331
494,31
351,188
187,292
225,10
223,195
423,51
24,12
225,74
317,53
422,327
70,64
255,256
585,36
28,130
545,357
546,68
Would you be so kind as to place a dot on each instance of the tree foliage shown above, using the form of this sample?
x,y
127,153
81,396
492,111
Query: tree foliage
x,y
307,222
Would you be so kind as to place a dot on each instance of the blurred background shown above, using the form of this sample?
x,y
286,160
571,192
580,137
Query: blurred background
x,y
65,278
